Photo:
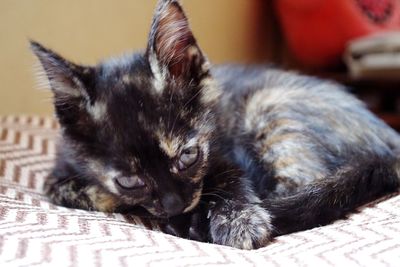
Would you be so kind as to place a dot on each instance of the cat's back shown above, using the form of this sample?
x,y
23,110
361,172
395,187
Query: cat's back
x,y
309,114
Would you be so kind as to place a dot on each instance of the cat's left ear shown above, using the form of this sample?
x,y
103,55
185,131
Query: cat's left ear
x,y
67,80
75,97
172,47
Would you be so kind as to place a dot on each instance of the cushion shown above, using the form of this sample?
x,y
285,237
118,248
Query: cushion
x,y
35,232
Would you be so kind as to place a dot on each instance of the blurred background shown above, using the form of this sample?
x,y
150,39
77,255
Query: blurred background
x,y
355,42
90,30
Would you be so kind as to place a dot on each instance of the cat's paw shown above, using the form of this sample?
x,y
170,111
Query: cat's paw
x,y
244,226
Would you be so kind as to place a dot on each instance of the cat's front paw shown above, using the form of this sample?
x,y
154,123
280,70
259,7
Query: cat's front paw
x,y
244,226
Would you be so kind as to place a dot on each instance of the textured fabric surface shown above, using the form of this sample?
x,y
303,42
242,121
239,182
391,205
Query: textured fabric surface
x,y
34,232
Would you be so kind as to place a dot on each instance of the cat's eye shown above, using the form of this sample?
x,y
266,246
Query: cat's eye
x,y
130,182
188,157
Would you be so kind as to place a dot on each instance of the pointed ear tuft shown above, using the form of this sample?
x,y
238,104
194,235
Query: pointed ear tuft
x,y
172,41
65,78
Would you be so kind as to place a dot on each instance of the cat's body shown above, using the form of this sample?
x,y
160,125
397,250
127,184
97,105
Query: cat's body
x,y
233,155
295,127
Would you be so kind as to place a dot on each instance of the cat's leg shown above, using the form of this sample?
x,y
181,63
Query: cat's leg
x,y
326,200
240,225
236,218
72,191
316,185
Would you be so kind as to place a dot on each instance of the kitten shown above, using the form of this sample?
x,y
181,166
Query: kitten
x,y
230,154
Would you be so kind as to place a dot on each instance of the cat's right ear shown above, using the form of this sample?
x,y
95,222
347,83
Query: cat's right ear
x,y
66,79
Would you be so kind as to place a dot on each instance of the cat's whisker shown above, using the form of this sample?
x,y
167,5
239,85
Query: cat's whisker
x,y
66,180
225,172
213,195
219,190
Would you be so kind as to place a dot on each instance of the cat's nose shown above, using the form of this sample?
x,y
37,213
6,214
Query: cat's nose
x,y
172,204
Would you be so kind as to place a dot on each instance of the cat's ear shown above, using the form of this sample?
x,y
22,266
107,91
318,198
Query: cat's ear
x,y
172,47
72,86
66,79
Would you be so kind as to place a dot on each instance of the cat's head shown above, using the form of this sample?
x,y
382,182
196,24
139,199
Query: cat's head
x,y
140,124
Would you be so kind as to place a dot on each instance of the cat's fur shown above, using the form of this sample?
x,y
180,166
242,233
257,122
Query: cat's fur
x,y
264,152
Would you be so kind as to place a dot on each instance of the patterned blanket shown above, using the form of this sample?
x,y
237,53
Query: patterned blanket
x,y
34,232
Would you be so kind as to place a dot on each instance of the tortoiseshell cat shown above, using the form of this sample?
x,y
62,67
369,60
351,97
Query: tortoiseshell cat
x,y
232,155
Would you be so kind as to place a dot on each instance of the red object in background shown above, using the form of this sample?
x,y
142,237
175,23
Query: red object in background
x,y
317,31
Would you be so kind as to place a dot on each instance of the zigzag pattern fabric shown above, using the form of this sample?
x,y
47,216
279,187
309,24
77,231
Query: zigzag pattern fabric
x,y
34,232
